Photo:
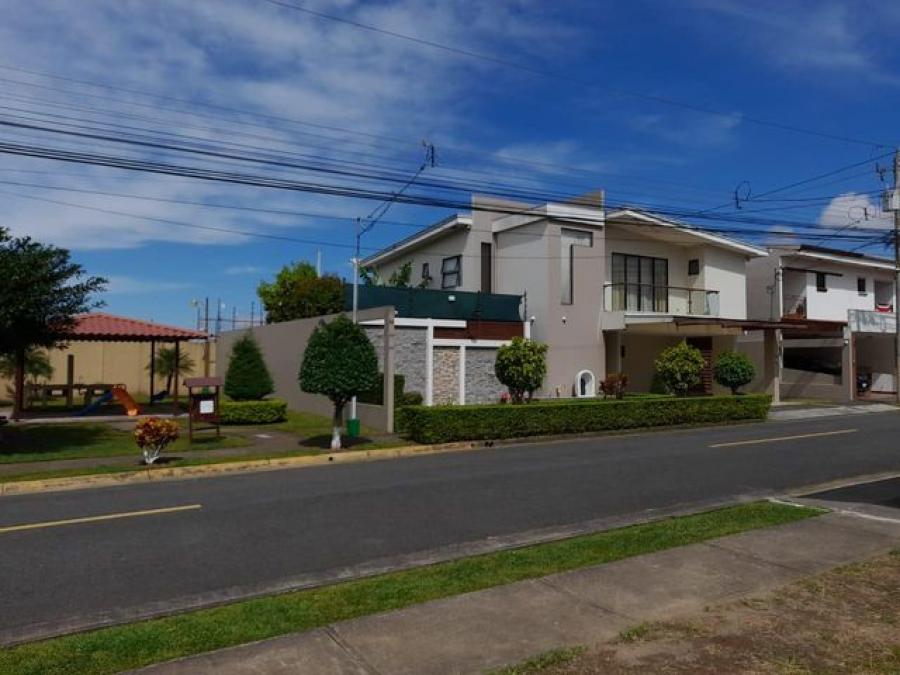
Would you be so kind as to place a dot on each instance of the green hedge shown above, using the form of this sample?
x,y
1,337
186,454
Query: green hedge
x,y
253,412
443,424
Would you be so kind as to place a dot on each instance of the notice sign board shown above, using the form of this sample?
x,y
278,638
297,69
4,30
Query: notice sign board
x,y
203,393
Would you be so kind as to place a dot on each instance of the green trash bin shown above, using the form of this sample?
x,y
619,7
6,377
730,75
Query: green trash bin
x,y
353,428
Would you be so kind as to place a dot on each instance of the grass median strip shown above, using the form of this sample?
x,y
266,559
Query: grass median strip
x,y
118,648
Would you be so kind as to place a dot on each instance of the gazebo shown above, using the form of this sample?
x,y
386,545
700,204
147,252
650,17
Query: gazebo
x,y
103,327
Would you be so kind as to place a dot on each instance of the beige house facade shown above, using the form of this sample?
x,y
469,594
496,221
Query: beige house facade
x,y
606,290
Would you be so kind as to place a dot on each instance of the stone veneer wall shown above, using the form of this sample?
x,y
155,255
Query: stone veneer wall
x,y
482,385
446,375
409,354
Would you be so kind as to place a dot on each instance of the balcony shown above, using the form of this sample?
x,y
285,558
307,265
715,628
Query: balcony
x,y
647,298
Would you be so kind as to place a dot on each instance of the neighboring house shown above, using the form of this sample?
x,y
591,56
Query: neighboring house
x,y
839,310
607,291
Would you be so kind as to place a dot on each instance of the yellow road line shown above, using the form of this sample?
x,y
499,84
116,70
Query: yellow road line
x,y
784,438
94,519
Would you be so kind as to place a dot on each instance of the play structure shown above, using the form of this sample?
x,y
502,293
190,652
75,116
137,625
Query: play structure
x,y
120,394
102,327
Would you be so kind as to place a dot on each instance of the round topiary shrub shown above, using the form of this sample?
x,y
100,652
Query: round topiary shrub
x,y
680,367
521,366
733,370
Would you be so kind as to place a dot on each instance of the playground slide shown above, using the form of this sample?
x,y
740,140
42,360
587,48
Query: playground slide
x,y
96,403
125,400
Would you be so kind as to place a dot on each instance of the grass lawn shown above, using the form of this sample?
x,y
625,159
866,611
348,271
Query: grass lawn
x,y
43,442
112,650
315,432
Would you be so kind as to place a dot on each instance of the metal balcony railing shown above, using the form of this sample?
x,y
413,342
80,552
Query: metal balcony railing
x,y
680,300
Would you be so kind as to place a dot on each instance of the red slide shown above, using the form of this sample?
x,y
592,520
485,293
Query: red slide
x,y
124,398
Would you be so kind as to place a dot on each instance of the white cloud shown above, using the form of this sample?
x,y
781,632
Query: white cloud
x,y
812,35
242,55
240,270
853,210
697,131
124,285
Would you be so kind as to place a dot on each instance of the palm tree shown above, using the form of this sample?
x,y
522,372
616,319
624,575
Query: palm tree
x,y
164,365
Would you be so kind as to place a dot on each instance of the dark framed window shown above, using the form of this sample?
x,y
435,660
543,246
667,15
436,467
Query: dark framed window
x,y
861,285
486,272
426,273
640,283
821,283
451,272
694,267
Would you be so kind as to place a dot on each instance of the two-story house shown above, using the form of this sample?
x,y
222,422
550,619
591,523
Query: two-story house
x,y
606,290
838,307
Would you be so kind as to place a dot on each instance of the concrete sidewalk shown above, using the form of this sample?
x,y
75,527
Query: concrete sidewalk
x,y
487,629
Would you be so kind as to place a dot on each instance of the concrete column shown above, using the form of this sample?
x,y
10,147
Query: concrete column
x,y
772,362
462,374
388,360
848,380
429,364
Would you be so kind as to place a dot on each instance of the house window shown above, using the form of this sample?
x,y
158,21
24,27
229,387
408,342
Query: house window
x,y
694,267
486,273
861,285
639,283
569,239
426,274
451,273
821,285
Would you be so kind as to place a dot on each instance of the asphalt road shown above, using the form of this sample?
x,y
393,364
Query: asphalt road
x,y
253,531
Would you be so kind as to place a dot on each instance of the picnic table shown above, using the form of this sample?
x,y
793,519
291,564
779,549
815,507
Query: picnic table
x,y
44,392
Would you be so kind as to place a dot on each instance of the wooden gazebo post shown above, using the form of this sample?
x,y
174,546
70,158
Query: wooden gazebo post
x,y
175,386
152,368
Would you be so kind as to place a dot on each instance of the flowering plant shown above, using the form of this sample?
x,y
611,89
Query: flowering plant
x,y
152,435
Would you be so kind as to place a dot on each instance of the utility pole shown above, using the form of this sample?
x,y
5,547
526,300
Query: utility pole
x,y
895,204
370,221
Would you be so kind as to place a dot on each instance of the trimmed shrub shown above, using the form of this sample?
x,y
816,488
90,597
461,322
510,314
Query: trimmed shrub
x,y
252,412
614,385
733,370
444,424
521,366
680,367
247,377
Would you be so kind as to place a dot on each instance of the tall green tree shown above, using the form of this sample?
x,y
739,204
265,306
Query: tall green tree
x,y
298,292
37,367
247,377
340,363
521,366
41,292
164,365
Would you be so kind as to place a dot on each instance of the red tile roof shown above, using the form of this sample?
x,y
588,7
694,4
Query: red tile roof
x,y
112,328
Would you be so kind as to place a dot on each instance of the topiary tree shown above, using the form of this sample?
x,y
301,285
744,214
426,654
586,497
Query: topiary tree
x,y
733,370
339,362
680,367
522,367
247,377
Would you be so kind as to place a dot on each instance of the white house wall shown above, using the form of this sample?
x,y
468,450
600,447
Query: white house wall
x,y
761,284
832,305
464,242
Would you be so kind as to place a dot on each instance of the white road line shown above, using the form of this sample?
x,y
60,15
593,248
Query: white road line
x,y
95,519
777,439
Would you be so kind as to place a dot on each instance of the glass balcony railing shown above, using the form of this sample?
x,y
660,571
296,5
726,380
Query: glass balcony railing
x,y
677,300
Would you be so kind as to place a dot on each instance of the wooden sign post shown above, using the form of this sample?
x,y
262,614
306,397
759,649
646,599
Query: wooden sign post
x,y
203,394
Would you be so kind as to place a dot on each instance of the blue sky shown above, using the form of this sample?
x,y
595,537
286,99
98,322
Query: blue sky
x,y
337,95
